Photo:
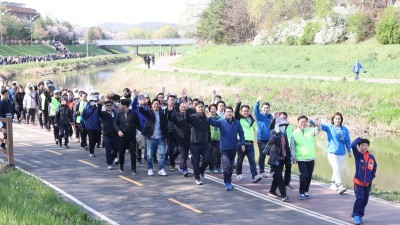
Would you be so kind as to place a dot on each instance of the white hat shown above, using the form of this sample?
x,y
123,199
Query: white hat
x,y
281,121
57,91
92,98
74,90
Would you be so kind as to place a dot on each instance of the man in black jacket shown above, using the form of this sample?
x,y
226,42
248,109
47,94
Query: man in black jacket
x,y
155,132
110,134
126,123
199,141
63,120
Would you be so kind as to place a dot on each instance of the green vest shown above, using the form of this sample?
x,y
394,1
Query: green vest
x,y
289,133
215,133
305,144
53,106
247,129
81,108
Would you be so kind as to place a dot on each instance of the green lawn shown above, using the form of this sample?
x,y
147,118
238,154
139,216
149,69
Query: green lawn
x,y
25,201
92,49
22,50
380,61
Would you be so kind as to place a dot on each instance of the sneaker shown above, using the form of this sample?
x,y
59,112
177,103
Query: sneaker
x,y
109,167
334,187
121,168
356,220
342,189
219,171
239,177
198,182
361,220
212,171
284,198
202,177
56,142
66,146
264,175
307,195
60,144
228,186
257,178
302,197
116,162
289,186
92,155
184,172
3,146
172,168
150,172
162,172
98,146
134,172
273,194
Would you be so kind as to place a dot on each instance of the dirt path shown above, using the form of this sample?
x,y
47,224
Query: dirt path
x,y
165,64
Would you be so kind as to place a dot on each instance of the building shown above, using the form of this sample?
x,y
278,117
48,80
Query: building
x,y
18,10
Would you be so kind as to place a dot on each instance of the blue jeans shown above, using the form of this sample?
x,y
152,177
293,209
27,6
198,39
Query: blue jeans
x,y
228,161
153,145
261,157
249,152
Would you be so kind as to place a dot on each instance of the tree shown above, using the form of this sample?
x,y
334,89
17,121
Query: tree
x,y
388,28
210,26
95,33
236,22
166,31
323,8
136,33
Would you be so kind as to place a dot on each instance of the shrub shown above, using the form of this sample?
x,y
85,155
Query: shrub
x,y
310,30
360,24
388,29
291,40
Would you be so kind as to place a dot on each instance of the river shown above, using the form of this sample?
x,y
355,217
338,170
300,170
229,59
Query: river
x,y
385,149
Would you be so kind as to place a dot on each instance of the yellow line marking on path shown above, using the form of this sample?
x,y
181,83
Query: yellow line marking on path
x,y
88,163
57,153
185,205
130,180
26,144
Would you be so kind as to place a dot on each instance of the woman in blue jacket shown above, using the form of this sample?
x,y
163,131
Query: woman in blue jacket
x,y
338,142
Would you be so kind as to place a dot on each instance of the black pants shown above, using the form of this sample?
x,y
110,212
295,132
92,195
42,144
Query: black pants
x,y
215,153
44,118
77,130
63,132
31,115
288,171
261,157
184,152
84,135
277,181
306,169
171,148
21,114
55,129
92,139
198,150
111,145
127,142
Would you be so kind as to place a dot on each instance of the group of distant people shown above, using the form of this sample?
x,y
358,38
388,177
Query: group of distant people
x,y
148,59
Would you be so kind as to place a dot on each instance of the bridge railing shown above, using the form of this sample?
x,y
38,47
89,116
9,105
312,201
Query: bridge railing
x,y
8,140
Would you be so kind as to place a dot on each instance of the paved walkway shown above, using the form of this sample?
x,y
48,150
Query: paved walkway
x,y
121,198
165,64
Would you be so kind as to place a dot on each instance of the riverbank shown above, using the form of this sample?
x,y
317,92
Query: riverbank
x,y
25,200
53,67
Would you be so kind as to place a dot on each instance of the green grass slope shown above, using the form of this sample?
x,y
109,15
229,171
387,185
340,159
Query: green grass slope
x,y
23,50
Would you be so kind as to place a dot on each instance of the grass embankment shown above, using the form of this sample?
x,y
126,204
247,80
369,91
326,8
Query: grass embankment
x,y
93,49
380,61
53,67
25,201
23,50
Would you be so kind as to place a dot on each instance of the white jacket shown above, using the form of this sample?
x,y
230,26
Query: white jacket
x,y
30,101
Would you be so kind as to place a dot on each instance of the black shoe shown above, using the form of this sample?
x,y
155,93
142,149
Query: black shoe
x,y
56,142
3,146
134,172
66,146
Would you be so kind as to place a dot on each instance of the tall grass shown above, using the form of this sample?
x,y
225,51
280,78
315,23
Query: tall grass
x,y
380,61
26,201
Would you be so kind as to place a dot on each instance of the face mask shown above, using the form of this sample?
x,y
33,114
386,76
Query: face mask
x,y
92,103
63,102
277,128
116,104
282,129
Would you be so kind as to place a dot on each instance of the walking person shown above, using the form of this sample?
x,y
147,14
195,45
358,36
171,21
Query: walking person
x,y
230,128
30,104
215,144
171,140
278,153
365,173
338,141
155,132
63,120
41,107
6,110
19,104
199,141
110,134
90,121
242,113
54,102
263,119
302,146
126,123
80,128
357,67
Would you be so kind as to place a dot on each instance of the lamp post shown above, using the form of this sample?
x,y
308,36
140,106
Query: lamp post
x,y
1,25
31,19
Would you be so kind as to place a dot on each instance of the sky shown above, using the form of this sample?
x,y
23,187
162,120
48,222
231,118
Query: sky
x,y
90,12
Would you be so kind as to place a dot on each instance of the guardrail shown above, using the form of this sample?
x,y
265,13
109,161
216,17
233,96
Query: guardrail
x,y
8,140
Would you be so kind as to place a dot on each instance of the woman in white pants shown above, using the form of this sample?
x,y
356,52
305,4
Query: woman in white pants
x,y
337,144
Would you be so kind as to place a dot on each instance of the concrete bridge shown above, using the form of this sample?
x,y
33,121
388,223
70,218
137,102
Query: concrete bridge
x,y
147,42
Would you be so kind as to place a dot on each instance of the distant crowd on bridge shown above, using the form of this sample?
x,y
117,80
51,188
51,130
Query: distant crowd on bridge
x,y
213,136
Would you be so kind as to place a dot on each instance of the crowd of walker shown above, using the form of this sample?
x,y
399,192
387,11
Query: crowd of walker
x,y
169,126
